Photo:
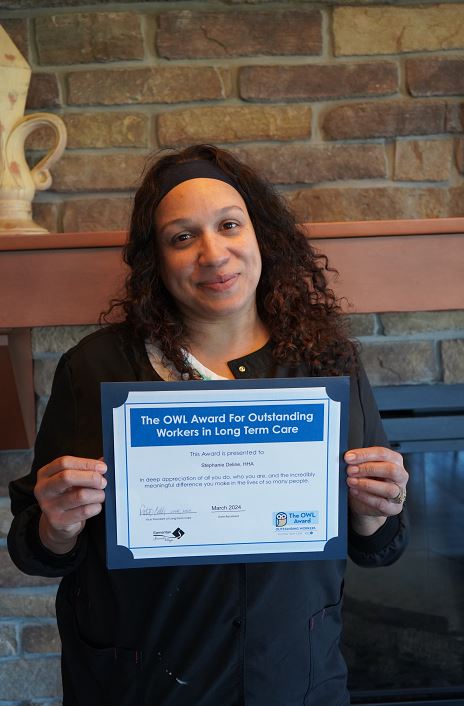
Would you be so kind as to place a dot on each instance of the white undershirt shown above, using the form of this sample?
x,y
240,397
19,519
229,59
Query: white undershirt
x,y
168,372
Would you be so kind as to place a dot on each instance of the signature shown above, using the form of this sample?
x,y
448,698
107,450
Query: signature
x,y
161,510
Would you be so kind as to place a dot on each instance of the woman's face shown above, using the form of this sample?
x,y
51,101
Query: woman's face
x,y
210,260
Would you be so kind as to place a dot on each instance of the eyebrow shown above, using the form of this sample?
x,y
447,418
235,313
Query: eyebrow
x,y
187,220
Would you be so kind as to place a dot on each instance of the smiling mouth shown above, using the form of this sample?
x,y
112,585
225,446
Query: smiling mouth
x,y
220,282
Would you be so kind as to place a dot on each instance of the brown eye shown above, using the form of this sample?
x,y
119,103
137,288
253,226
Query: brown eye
x,y
229,225
182,237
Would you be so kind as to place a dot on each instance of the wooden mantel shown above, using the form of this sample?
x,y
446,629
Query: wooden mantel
x,y
68,278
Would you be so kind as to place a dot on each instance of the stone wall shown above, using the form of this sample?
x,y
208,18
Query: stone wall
x,y
355,110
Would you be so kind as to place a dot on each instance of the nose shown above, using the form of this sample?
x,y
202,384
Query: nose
x,y
213,250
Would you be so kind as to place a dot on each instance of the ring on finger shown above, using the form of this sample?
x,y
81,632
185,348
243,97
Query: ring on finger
x,y
400,498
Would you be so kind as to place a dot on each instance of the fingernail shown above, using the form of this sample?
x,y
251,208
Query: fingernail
x,y
104,482
100,466
351,470
350,457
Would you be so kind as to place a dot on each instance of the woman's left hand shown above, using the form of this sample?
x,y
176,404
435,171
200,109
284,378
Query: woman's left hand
x,y
377,483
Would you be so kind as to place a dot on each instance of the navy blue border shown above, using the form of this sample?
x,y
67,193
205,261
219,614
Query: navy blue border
x,y
114,394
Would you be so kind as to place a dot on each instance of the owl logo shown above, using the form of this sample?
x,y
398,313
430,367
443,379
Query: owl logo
x,y
281,519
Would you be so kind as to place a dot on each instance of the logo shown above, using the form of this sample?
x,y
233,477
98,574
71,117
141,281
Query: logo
x,y
168,536
281,519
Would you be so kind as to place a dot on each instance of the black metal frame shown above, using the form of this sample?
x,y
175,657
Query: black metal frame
x,y
423,417
420,418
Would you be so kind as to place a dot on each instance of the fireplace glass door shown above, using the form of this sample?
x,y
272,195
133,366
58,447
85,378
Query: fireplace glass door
x,y
404,624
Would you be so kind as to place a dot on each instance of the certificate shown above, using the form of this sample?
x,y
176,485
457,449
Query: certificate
x,y
225,471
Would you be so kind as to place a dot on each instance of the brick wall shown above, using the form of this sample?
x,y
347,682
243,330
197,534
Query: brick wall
x,y
355,110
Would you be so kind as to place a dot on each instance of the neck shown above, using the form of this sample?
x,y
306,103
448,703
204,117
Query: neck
x,y
215,343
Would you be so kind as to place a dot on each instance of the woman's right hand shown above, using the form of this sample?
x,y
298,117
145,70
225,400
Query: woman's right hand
x,y
69,490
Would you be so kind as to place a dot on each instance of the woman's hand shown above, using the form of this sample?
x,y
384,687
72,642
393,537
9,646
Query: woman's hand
x,y
69,490
377,486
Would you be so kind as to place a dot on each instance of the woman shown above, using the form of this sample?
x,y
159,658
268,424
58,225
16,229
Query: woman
x,y
222,284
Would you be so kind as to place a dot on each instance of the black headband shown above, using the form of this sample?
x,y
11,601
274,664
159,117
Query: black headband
x,y
196,169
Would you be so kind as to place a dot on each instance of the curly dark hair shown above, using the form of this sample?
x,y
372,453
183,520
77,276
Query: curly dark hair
x,y
294,301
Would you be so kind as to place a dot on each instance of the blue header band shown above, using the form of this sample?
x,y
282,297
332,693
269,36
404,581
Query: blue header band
x,y
226,425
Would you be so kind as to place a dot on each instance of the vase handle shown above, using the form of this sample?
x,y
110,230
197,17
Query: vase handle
x,y
40,173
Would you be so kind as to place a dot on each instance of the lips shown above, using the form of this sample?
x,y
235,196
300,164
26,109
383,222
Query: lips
x,y
219,283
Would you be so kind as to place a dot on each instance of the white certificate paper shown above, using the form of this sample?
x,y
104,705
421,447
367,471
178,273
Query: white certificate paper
x,y
225,471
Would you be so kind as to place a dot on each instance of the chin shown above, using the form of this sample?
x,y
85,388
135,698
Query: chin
x,y
221,310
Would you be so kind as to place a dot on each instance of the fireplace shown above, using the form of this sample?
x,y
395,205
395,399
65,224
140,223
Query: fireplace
x,y
404,624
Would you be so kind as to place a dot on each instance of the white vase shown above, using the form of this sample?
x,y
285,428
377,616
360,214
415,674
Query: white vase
x,y
18,183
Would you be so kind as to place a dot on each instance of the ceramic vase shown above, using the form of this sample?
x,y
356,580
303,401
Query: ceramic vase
x,y
18,183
